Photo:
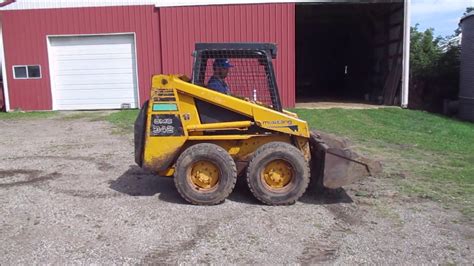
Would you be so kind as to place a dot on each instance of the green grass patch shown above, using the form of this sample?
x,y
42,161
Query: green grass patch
x,y
434,153
27,115
427,155
123,120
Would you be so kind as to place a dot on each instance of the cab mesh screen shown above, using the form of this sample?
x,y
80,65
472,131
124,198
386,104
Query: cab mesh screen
x,y
247,74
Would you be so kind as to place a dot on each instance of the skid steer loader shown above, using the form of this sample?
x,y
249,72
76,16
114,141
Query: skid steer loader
x,y
206,139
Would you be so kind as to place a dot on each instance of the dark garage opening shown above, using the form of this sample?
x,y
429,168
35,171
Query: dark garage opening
x,y
345,52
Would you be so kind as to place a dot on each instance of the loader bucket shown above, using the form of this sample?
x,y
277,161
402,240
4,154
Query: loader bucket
x,y
333,165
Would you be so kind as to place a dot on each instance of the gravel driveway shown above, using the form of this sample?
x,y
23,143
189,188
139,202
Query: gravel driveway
x,y
70,192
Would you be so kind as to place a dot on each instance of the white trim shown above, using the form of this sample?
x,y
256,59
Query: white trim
x,y
51,64
51,71
27,75
42,4
91,34
137,80
4,72
406,56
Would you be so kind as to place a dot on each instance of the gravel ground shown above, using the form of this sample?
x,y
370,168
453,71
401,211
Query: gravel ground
x,y
70,193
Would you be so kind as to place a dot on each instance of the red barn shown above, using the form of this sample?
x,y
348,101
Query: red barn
x,y
83,55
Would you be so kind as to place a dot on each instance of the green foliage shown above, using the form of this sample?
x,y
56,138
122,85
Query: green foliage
x,y
434,70
448,68
425,52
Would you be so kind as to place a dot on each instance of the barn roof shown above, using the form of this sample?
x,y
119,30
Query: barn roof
x,y
42,4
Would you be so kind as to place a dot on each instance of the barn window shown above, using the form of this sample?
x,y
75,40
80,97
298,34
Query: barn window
x,y
27,72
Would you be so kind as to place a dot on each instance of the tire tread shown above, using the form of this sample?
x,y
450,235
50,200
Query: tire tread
x,y
198,148
277,146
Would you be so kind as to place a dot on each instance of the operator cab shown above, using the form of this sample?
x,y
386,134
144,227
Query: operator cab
x,y
250,75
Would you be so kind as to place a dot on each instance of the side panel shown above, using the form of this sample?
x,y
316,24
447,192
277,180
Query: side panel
x,y
165,132
182,27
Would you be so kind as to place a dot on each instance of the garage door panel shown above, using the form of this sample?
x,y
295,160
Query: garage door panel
x,y
94,72
95,94
95,79
93,40
87,103
89,106
95,64
95,99
94,57
95,50
98,86
108,71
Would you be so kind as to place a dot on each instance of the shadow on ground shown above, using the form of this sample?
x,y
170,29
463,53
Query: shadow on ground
x,y
138,182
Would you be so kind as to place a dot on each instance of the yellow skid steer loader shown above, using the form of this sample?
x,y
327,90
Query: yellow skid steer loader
x,y
227,121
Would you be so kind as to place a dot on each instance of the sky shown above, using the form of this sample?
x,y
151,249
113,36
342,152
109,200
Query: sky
x,y
442,15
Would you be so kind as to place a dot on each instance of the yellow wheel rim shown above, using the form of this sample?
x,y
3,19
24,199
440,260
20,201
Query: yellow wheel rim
x,y
277,174
204,175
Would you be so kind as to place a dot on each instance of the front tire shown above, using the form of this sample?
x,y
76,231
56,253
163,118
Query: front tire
x,y
278,174
205,174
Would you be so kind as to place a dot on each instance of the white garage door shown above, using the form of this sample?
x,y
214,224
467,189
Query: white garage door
x,y
93,72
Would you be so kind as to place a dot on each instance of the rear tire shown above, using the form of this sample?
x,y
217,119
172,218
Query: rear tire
x,y
278,174
205,174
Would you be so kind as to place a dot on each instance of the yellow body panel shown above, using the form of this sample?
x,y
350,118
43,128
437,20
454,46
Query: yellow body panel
x,y
161,151
159,154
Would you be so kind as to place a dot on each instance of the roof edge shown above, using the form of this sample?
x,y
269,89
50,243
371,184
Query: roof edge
x,y
468,15
48,4
6,3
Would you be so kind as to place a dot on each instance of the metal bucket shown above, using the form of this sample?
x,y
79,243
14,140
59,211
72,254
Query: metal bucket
x,y
334,165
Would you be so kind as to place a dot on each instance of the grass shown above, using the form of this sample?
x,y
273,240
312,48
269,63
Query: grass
x,y
123,120
26,115
435,154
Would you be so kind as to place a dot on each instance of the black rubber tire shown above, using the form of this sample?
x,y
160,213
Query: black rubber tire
x,y
274,151
214,154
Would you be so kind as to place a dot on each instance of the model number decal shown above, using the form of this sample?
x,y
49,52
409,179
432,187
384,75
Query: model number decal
x,y
166,125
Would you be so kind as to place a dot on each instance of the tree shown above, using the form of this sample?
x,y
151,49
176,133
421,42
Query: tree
x,y
425,52
434,71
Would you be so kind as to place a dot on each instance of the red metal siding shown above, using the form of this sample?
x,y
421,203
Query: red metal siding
x,y
25,42
184,26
